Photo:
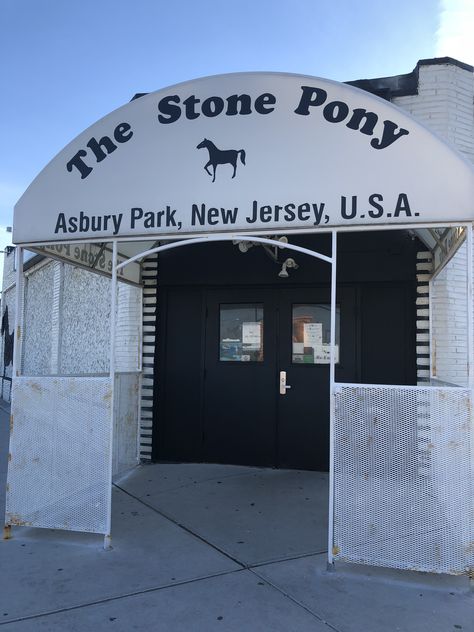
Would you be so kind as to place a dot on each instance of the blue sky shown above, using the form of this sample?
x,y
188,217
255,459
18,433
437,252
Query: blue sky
x,y
64,65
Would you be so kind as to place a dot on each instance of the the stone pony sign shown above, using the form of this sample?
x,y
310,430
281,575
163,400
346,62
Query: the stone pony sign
x,y
250,152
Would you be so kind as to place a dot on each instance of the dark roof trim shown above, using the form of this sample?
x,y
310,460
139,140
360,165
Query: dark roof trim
x,y
404,85
389,87
437,61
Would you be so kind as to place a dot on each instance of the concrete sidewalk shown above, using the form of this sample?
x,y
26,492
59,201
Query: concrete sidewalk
x,y
209,547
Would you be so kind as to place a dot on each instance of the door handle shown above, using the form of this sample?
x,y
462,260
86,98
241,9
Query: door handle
x,y
283,385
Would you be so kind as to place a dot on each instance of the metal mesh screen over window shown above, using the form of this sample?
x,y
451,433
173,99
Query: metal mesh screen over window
x,y
403,477
126,394
58,473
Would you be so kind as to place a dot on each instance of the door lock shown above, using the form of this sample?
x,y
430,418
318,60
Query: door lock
x,y
283,385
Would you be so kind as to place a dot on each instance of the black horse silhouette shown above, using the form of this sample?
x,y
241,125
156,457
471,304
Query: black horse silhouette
x,y
8,340
220,157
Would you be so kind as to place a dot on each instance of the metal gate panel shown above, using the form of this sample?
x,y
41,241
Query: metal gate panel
x,y
60,453
126,415
402,477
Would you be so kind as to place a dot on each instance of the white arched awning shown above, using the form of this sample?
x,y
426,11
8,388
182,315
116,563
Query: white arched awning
x,y
249,152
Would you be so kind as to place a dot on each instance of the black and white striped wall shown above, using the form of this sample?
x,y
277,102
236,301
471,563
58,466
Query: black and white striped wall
x,y
149,279
424,269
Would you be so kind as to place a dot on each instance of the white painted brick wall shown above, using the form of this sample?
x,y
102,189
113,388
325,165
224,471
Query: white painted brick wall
x,y
128,326
449,321
8,269
445,104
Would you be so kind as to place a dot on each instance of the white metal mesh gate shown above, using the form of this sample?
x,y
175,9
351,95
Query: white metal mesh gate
x,y
403,478
63,447
126,410
58,473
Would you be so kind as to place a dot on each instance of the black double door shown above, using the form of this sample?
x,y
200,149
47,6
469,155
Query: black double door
x,y
250,416
232,407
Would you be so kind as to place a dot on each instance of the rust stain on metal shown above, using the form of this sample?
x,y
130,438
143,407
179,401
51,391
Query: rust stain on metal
x,y
336,550
9,457
469,548
430,446
36,387
17,521
7,532
108,395
11,424
18,332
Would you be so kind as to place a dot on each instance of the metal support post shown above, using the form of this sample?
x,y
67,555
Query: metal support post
x,y
113,308
470,377
332,379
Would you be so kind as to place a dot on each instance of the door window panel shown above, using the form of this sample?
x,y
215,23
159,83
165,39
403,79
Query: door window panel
x,y
241,332
312,333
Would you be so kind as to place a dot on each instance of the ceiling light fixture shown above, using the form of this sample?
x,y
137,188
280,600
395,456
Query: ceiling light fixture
x,y
287,264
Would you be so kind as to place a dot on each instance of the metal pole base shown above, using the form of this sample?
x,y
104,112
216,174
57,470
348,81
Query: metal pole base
x,y
107,542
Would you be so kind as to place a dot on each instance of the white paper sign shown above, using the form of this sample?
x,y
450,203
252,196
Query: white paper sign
x,y
322,354
298,348
251,335
313,334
